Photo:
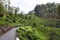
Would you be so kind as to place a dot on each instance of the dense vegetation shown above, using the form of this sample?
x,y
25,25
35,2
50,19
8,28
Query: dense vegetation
x,y
44,10
7,18
38,29
43,23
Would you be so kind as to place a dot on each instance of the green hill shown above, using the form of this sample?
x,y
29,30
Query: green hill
x,y
38,29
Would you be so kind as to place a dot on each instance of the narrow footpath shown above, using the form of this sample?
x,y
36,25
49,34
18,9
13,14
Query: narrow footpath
x,y
10,35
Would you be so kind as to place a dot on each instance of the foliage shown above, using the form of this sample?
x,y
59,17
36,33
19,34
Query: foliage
x,y
46,10
58,12
37,28
40,33
58,16
34,27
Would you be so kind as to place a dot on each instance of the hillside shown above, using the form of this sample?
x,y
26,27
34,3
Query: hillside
x,y
38,29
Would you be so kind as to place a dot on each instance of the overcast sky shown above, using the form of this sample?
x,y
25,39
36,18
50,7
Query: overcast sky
x,y
27,5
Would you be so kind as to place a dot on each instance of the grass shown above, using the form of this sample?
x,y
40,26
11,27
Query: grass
x,y
41,33
37,34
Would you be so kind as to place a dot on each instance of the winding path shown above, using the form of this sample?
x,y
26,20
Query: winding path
x,y
10,35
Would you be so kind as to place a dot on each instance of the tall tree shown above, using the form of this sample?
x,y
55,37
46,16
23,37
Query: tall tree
x,y
45,10
16,11
58,16
38,10
58,12
1,8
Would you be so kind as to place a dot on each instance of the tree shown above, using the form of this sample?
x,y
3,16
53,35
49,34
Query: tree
x,y
50,7
16,11
58,16
37,10
1,8
58,12
31,12
45,10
